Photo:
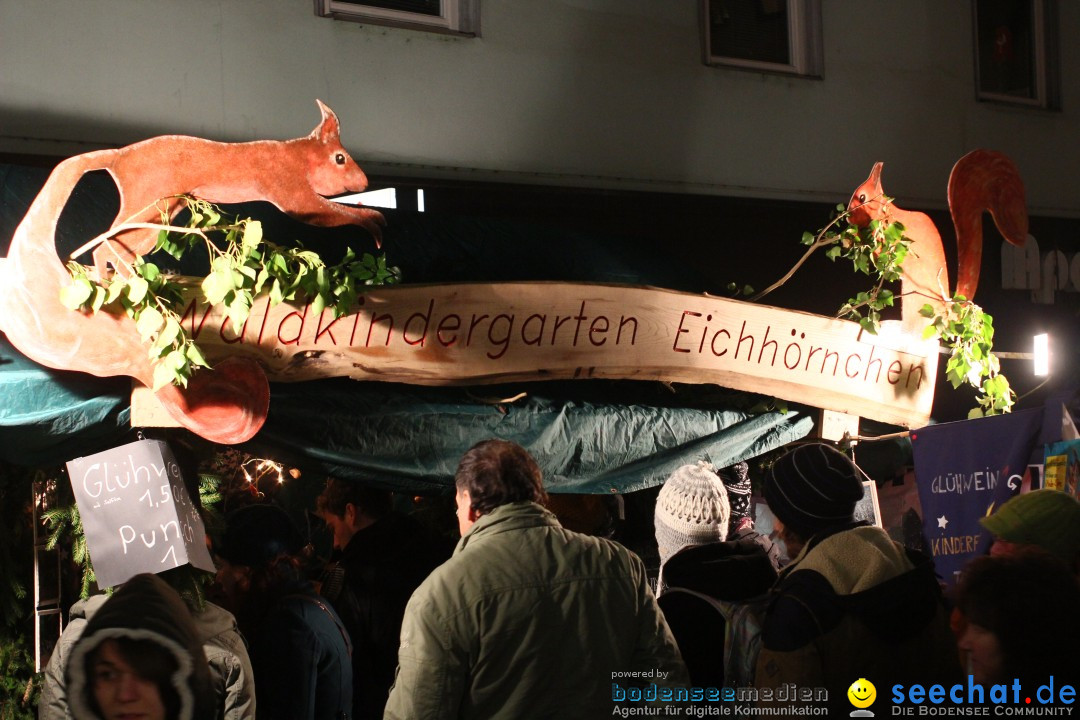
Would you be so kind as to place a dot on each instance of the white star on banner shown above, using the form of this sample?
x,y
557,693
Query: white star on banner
x,y
942,522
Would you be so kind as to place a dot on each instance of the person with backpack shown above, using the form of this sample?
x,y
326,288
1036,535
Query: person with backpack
x,y
715,573
852,603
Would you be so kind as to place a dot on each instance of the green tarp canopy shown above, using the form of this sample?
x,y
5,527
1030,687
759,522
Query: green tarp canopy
x,y
588,436
412,438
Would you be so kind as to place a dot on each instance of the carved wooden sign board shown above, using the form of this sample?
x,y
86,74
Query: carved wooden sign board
x,y
502,332
472,334
136,512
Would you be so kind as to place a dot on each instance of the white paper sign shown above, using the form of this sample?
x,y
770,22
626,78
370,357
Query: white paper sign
x,y
136,512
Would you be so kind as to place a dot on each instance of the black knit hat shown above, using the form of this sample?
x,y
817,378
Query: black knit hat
x,y
256,534
812,488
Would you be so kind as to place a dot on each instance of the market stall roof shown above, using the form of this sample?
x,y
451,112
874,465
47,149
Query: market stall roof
x,y
404,437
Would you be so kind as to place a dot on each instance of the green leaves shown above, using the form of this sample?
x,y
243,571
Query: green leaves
x,y
75,295
745,291
879,250
969,333
244,267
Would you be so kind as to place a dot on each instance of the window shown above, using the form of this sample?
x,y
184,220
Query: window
x,y
1016,52
457,17
782,36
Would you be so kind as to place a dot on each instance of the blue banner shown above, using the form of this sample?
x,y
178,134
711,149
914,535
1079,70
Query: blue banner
x,y
964,471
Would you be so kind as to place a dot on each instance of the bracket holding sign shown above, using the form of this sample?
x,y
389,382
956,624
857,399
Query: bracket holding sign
x,y
136,512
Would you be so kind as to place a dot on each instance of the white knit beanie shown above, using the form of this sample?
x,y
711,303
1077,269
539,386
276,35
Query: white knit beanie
x,y
691,509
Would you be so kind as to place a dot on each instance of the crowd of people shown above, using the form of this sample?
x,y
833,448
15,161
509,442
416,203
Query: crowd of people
x,y
524,618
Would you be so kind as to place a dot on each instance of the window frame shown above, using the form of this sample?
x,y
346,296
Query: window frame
x,y
1045,53
805,46
458,17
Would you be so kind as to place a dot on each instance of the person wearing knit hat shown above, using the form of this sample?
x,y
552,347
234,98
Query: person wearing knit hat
x,y
814,487
255,535
713,583
691,509
736,480
1047,519
851,598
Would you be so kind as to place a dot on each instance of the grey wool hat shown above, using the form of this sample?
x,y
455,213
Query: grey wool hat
x,y
691,509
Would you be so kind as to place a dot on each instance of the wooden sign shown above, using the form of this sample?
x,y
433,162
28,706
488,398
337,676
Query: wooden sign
x,y
136,512
501,332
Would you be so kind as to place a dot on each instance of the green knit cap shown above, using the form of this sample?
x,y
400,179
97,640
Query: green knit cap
x,y
1047,518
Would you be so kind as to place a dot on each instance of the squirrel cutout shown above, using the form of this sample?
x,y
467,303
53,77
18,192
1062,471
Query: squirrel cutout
x,y
152,173
981,180
227,403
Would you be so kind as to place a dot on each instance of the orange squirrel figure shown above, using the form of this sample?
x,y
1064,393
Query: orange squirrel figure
x,y
228,403
981,180
296,176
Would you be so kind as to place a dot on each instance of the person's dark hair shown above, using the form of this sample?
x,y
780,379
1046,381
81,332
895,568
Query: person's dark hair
x,y
150,661
1011,596
257,535
373,502
497,472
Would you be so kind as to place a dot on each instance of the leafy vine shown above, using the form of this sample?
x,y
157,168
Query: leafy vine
x,y
878,250
244,267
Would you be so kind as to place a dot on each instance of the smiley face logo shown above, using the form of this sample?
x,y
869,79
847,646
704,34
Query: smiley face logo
x,y
862,693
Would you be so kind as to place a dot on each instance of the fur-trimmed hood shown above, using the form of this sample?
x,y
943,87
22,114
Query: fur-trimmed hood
x,y
145,608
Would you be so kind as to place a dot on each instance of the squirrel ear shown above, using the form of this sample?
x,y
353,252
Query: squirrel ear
x,y
875,173
328,129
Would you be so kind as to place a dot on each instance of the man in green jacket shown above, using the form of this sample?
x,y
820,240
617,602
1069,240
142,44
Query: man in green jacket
x,y
526,619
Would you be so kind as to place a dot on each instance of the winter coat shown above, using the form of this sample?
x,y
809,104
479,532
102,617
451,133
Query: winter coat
x,y
144,608
226,652
301,655
854,604
369,586
714,602
529,620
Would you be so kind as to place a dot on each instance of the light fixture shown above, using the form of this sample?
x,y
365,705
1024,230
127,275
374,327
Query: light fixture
x,y
385,198
1041,355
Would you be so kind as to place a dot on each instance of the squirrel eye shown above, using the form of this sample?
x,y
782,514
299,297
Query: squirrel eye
x,y
340,158
862,197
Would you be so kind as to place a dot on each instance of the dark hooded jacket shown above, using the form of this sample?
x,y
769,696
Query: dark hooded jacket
x,y
226,651
854,604
707,587
145,608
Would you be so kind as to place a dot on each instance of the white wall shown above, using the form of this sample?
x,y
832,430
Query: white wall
x,y
598,93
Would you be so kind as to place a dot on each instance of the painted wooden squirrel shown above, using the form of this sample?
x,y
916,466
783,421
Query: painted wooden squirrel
x,y
228,403
296,176
981,180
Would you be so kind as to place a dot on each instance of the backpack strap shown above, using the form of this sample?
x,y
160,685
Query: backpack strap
x,y
742,634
